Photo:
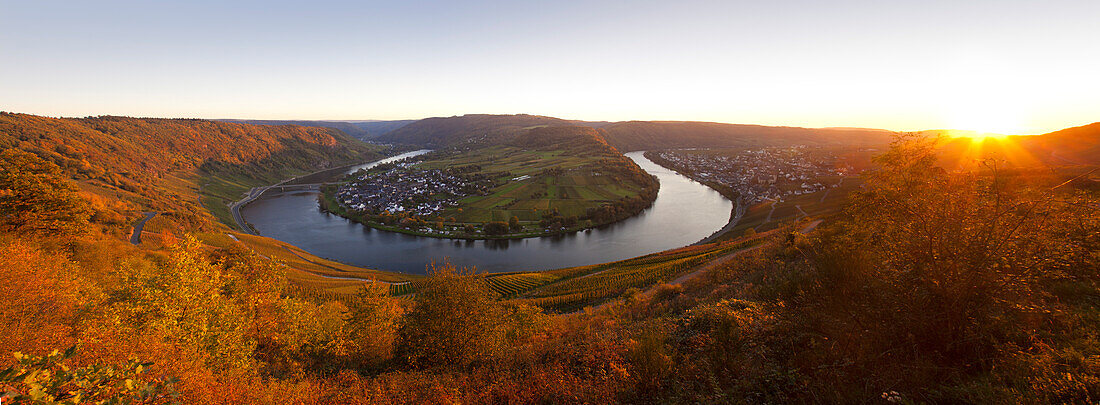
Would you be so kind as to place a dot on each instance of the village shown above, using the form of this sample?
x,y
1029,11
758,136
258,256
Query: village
x,y
767,174
402,189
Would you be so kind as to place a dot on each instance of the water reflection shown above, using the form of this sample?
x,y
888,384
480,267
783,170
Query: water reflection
x,y
684,212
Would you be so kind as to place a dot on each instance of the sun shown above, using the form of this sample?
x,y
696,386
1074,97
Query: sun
x,y
987,119
988,125
978,137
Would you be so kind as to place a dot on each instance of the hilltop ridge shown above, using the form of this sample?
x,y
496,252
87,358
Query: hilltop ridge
x,y
630,135
363,130
142,164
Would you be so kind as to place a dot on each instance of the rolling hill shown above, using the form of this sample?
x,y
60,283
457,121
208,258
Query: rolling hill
x,y
152,164
544,180
447,131
363,130
629,136
645,135
1070,146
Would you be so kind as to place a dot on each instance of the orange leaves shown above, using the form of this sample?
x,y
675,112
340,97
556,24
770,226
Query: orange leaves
x,y
41,295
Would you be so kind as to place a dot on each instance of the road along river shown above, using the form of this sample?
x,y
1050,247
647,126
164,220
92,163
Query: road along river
x,y
685,212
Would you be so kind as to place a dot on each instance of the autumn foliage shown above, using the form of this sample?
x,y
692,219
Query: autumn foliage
x,y
935,286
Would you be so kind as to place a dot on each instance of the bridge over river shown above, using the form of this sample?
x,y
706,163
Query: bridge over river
x,y
685,212
288,186
256,192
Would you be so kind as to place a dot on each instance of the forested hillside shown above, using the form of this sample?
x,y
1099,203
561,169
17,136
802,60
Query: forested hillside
x,y
148,164
581,141
645,135
934,286
362,130
448,131
630,136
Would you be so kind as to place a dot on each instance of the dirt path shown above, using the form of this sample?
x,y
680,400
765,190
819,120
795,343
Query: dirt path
x,y
707,266
720,260
712,264
769,218
135,237
826,193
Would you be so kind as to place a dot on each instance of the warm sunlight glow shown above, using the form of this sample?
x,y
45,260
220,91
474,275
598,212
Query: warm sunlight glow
x,y
979,137
987,118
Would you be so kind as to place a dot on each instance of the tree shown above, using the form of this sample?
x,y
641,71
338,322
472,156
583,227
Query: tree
x,y
372,320
456,321
35,198
496,228
513,223
42,296
189,302
957,268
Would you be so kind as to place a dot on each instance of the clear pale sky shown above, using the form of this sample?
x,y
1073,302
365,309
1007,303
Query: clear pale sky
x,y
1001,66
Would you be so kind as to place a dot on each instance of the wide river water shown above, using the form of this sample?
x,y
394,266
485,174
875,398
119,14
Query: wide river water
x,y
684,213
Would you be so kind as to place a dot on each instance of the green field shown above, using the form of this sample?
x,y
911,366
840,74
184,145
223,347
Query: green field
x,y
547,188
579,186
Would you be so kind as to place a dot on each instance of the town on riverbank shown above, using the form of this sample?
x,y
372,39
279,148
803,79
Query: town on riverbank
x,y
498,191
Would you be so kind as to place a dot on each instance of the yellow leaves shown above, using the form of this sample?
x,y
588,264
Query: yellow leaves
x,y
185,301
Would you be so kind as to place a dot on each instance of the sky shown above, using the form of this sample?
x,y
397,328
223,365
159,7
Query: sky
x,y
1008,66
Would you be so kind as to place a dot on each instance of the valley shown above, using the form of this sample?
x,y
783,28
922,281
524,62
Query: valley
x,y
534,202
316,292
682,213
547,181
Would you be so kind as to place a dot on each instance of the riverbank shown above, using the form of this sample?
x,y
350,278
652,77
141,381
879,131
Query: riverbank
x,y
736,213
496,193
298,182
684,212
328,203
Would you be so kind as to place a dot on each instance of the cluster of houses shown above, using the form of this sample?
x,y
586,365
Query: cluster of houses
x,y
760,174
405,190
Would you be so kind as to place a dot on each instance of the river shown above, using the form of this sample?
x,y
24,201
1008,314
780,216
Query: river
x,y
684,212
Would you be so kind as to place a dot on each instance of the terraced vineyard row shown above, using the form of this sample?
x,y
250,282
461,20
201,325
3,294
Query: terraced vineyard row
x,y
404,288
504,284
511,284
613,279
618,279
572,288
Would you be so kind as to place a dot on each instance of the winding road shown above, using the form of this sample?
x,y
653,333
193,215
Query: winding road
x,y
740,212
135,238
257,192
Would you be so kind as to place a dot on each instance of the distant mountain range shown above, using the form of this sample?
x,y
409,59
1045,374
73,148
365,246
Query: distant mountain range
x,y
1068,146
628,136
364,130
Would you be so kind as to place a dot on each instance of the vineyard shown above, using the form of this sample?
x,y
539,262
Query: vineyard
x,y
563,290
503,284
512,284
609,280
572,288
